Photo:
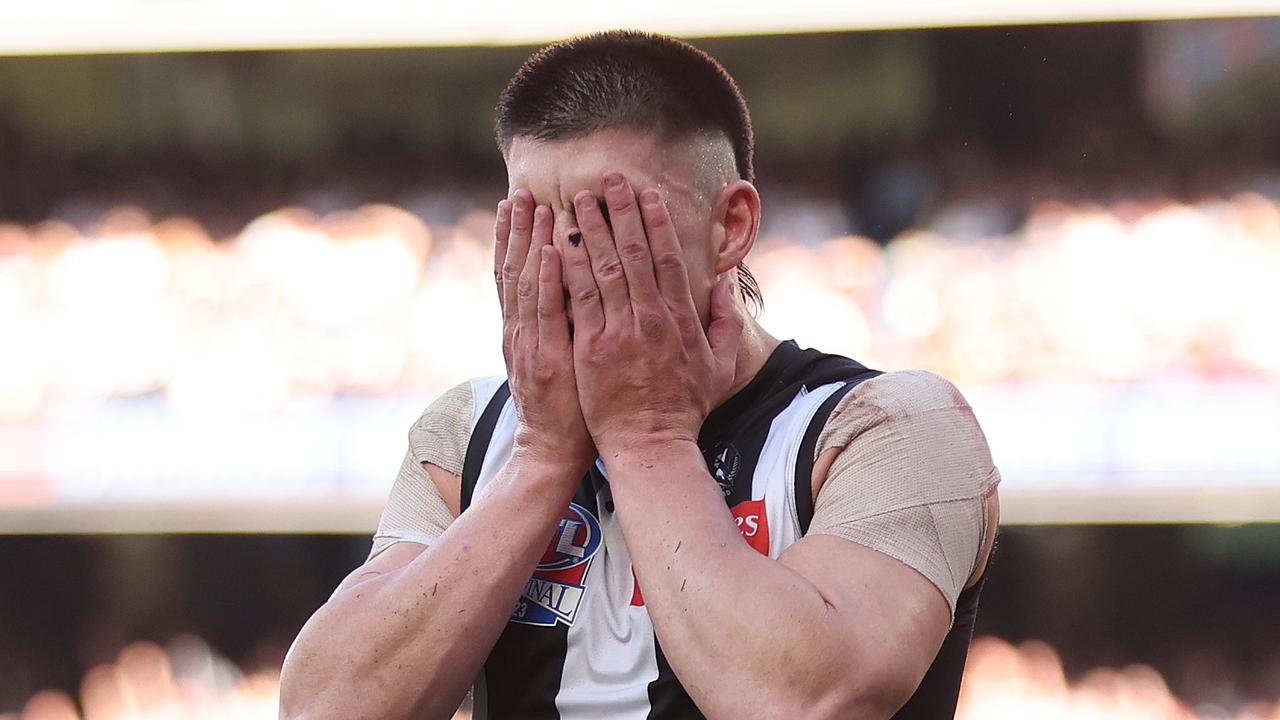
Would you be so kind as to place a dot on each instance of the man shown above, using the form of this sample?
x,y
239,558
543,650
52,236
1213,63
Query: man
x,y
662,511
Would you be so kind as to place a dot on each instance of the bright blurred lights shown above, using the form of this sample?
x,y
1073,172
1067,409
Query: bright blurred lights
x,y
86,26
366,301
1124,359
186,680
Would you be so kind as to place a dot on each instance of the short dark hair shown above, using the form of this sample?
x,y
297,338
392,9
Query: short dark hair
x,y
628,79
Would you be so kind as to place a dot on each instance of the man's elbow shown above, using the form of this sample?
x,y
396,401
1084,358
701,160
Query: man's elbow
x,y
853,708
324,692
295,713
841,695
307,691
294,708
847,699
298,702
309,711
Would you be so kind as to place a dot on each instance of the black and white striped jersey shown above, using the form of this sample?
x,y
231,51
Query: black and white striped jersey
x,y
579,644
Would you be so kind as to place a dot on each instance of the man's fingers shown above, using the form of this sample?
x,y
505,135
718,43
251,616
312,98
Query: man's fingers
x,y
584,294
610,278
543,223
501,233
668,258
527,286
629,238
553,324
517,251
724,334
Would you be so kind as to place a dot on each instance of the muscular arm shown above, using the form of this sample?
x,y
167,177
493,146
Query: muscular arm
x,y
846,622
830,630
406,634
834,628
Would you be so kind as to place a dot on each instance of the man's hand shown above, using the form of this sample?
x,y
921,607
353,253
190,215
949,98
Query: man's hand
x,y
406,634
535,338
646,370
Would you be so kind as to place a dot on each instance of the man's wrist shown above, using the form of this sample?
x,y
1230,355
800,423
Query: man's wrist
x,y
646,450
550,462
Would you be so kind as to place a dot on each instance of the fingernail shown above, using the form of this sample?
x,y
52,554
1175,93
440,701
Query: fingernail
x,y
650,197
575,238
613,181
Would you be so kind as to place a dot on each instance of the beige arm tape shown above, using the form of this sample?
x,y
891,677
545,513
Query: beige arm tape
x,y
415,512
911,476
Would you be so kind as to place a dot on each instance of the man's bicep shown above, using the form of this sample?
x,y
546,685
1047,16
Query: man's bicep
x,y
909,475
389,560
415,511
398,543
448,485
424,499
894,617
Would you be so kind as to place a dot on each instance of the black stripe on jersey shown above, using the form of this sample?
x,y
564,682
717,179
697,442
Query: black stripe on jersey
x,y
773,388
804,458
588,493
743,422
667,697
937,694
939,691
523,671
478,445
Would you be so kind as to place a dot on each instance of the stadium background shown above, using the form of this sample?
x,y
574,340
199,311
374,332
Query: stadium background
x,y
240,251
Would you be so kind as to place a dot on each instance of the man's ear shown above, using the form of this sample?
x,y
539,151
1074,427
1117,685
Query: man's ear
x,y
738,212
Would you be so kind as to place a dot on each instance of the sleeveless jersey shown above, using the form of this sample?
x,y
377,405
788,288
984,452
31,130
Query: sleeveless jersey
x,y
580,644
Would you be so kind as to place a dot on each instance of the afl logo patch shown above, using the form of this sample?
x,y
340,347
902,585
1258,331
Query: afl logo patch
x,y
576,540
555,591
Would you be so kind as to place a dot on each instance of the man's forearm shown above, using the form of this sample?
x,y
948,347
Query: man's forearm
x,y
740,629
409,643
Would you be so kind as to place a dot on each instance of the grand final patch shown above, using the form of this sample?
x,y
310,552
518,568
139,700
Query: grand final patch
x,y
555,591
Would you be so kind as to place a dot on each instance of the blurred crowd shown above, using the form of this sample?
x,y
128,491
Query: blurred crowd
x,y
374,301
186,680
1007,682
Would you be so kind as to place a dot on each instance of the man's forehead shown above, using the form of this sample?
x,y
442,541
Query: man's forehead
x,y
584,159
564,167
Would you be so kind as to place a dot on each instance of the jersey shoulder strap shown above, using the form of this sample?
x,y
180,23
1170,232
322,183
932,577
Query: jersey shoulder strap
x,y
478,445
809,443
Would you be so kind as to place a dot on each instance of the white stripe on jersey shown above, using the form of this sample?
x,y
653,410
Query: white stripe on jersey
x,y
774,478
610,656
